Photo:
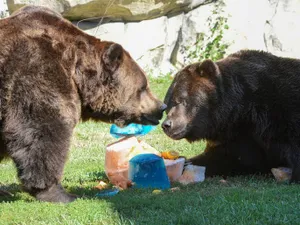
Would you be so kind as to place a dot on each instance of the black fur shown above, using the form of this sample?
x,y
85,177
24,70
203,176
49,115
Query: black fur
x,y
248,110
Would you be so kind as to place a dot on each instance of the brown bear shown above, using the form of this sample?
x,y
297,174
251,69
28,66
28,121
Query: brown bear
x,y
51,76
246,106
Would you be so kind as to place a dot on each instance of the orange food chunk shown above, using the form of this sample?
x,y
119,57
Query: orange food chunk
x,y
170,154
102,185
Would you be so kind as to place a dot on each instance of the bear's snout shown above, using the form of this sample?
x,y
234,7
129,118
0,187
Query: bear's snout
x,y
163,107
166,125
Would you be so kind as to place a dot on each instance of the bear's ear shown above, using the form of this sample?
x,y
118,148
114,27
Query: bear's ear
x,y
113,56
208,68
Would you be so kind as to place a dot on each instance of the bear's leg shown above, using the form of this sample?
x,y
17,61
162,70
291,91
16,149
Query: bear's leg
x,y
3,150
295,175
215,159
285,154
3,154
237,157
39,150
294,161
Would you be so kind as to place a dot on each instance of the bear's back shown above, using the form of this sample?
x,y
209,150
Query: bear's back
x,y
254,56
271,62
36,9
37,51
262,67
36,20
35,35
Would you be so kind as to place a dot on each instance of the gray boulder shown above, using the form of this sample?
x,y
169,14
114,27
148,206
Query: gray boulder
x,y
116,10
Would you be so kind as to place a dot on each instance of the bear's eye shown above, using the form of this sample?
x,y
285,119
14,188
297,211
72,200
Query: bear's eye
x,y
176,102
142,89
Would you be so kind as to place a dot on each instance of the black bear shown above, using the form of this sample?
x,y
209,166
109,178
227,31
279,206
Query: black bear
x,y
52,75
246,106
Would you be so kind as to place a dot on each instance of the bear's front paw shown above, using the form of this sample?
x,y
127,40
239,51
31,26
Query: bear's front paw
x,y
56,193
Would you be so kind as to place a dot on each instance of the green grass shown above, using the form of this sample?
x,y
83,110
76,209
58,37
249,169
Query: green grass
x,y
243,200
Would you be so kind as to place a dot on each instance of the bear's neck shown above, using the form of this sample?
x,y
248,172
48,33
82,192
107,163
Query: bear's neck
x,y
233,106
96,87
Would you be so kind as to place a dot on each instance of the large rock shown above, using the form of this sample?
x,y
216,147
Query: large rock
x,y
194,23
282,32
164,44
269,25
3,9
122,10
246,21
151,46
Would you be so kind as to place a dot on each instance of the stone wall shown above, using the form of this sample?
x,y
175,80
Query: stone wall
x,y
116,10
163,44
3,9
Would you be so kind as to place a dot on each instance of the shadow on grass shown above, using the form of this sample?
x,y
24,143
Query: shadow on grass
x,y
83,192
87,192
184,206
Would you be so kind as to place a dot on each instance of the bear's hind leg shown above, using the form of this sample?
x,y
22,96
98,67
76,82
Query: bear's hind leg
x,y
39,151
3,154
294,161
3,149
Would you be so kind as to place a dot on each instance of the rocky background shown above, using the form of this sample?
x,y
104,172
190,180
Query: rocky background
x,y
165,35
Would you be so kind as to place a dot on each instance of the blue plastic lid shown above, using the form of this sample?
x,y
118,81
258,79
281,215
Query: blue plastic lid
x,y
132,129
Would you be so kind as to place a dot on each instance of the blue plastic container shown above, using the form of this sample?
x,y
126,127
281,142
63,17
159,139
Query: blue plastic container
x,y
148,171
132,129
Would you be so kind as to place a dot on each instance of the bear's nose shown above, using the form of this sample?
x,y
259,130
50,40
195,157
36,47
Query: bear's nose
x,y
167,124
163,107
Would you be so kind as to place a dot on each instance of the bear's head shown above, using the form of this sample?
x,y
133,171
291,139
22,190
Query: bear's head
x,y
190,100
113,88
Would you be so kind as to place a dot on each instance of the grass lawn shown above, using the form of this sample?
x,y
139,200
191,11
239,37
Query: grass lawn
x,y
243,200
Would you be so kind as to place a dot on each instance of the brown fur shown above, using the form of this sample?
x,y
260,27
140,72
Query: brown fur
x,y
52,75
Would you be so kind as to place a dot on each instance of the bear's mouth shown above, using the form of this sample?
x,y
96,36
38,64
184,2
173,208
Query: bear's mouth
x,y
121,122
176,135
149,120
144,119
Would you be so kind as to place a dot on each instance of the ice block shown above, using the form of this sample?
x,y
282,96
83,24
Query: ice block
x,y
192,174
174,168
282,174
148,171
117,158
